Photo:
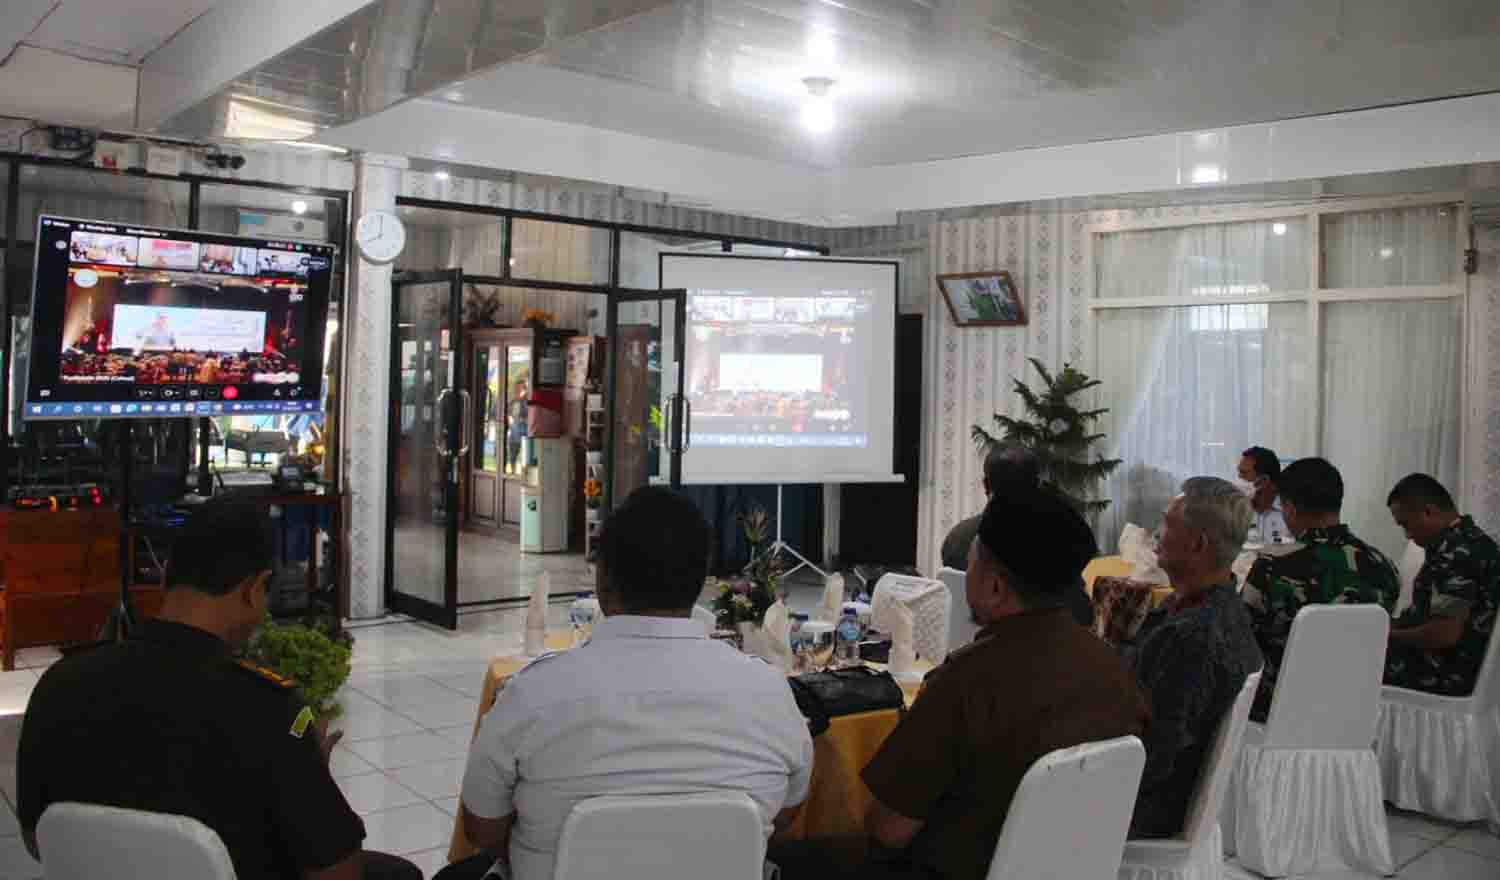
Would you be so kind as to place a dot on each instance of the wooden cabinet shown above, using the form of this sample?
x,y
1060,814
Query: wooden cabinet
x,y
60,573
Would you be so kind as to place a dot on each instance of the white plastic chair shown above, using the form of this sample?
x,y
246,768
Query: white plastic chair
x,y
1307,793
961,625
705,617
86,841
1196,853
1070,814
1441,755
1411,564
663,837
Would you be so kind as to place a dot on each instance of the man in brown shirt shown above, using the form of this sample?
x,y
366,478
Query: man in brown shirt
x,y
1033,681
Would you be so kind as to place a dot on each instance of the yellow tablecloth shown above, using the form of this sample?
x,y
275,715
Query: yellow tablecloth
x,y
836,804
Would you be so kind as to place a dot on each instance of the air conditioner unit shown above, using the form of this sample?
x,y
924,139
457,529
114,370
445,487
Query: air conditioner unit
x,y
258,224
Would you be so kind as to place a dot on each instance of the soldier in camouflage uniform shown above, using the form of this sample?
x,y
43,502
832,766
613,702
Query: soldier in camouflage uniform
x,y
1438,644
1332,567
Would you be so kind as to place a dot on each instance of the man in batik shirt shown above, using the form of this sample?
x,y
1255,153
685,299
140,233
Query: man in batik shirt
x,y
1332,567
1438,644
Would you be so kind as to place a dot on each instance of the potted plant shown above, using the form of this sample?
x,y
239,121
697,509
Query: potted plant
x,y
317,661
593,499
740,604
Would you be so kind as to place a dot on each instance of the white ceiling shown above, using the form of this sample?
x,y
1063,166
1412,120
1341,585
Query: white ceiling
x,y
920,81
116,31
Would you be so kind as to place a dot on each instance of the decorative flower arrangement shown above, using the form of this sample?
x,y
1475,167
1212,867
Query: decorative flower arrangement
x,y
593,493
745,600
537,318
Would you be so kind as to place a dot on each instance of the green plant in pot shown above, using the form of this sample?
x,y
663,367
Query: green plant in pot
x,y
317,660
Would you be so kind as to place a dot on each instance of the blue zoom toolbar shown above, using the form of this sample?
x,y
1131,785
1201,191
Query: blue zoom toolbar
x,y
167,410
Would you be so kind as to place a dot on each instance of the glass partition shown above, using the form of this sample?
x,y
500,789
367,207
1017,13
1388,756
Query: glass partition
x,y
439,239
640,255
95,195
562,252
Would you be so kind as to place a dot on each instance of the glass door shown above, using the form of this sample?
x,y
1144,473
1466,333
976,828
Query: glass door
x,y
649,416
429,440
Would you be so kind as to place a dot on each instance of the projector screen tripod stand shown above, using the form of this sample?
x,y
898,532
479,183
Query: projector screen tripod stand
x,y
781,546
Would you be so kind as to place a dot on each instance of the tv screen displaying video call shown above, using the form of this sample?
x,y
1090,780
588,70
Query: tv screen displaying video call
x,y
134,321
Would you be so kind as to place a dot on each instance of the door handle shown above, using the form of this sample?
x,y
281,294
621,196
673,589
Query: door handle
x,y
440,423
465,421
687,428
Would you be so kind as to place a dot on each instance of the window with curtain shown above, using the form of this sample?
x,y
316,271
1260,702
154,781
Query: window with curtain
x,y
1311,370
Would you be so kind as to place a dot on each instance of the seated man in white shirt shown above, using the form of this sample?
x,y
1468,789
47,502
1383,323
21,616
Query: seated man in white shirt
x,y
1259,467
650,705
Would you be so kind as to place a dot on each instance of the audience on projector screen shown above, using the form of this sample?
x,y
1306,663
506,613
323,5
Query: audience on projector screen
x,y
1331,566
1031,682
1258,469
1439,643
1008,466
650,704
1193,654
169,722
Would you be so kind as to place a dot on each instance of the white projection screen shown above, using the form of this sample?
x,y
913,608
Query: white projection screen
x,y
790,368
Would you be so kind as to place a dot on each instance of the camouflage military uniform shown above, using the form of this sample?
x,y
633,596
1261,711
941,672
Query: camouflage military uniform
x,y
1462,572
1333,567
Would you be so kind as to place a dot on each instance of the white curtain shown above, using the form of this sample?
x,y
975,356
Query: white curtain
x,y
1390,403
1215,259
1393,247
1188,389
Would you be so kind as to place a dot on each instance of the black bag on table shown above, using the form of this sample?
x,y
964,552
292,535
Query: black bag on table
x,y
826,695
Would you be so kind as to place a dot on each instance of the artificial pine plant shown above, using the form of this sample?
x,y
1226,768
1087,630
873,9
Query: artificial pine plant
x,y
1057,431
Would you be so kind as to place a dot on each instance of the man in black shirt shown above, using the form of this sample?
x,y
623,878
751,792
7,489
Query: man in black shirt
x,y
1009,468
168,722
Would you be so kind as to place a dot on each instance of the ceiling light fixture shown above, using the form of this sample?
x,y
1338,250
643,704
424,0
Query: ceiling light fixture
x,y
817,112
1278,229
454,95
1207,173
1386,253
441,174
299,207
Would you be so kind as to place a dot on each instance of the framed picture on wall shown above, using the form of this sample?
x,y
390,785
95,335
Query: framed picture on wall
x,y
983,299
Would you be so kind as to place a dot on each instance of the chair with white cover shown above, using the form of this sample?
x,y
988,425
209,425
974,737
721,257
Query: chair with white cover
x,y
87,841
1441,755
1306,791
663,837
1090,786
961,625
705,617
1196,852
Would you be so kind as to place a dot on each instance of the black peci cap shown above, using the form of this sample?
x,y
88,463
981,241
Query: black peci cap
x,y
1037,536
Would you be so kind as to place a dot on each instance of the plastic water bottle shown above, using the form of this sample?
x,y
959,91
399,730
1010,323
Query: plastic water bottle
x,y
581,614
846,640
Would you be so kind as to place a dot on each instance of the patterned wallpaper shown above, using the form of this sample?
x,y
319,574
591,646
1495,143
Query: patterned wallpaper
x,y
1484,294
968,371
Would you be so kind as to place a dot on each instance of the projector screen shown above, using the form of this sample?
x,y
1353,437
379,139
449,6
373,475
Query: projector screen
x,y
790,368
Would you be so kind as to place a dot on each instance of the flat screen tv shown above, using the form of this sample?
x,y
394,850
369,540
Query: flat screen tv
x,y
133,321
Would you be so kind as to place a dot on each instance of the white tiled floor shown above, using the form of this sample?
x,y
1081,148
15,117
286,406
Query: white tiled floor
x,y
409,711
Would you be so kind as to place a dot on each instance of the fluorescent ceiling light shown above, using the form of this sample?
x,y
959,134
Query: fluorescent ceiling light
x,y
817,110
441,174
1278,229
244,120
309,145
1207,173
299,207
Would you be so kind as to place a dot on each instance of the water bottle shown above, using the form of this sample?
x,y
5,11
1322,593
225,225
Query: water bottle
x,y
846,640
581,614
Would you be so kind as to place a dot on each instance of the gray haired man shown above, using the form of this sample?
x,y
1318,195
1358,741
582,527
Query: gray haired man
x,y
1193,655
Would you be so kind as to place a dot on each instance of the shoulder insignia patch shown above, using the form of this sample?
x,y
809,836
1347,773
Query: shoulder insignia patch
x,y
300,724
267,675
